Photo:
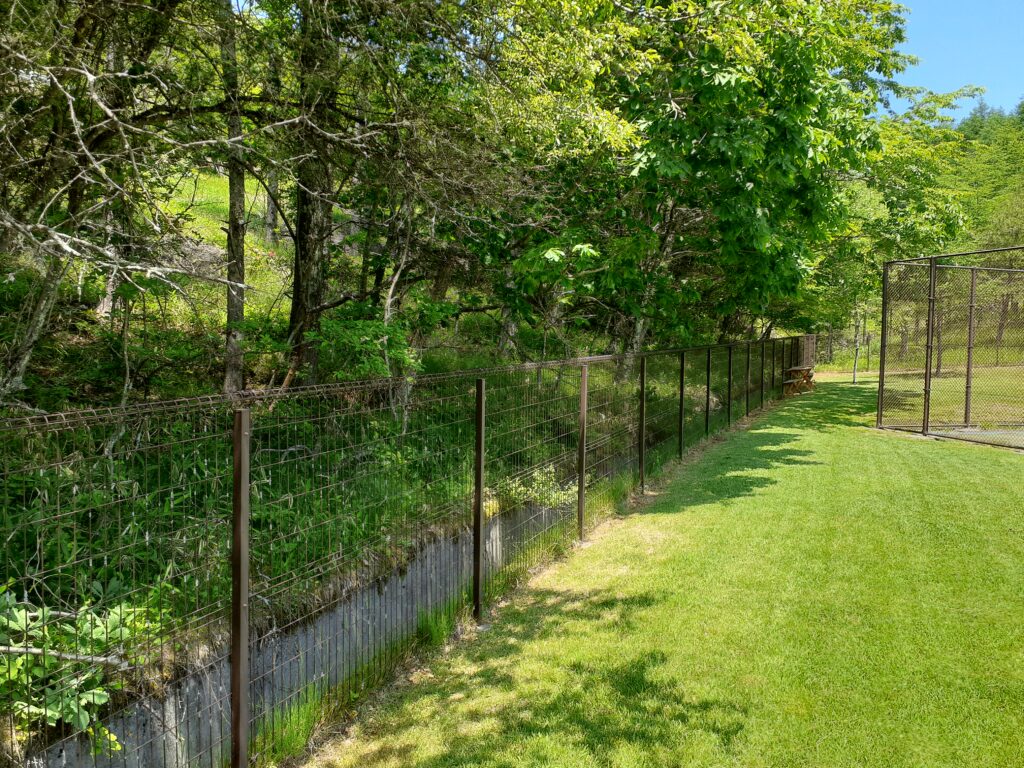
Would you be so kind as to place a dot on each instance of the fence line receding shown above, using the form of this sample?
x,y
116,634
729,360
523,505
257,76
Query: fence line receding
x,y
195,583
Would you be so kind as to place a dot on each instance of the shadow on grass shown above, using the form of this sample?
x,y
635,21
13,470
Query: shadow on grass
x,y
831,405
629,703
735,467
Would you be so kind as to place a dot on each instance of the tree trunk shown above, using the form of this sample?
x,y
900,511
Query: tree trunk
x,y
378,284
509,327
270,212
12,379
508,332
1004,316
312,201
402,380
234,360
106,305
632,344
270,222
366,255
390,240
441,282
312,230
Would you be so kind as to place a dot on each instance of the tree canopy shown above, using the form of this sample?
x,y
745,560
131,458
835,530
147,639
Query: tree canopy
x,y
203,194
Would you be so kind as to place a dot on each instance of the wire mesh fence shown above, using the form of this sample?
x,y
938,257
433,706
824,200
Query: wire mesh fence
x,y
199,582
847,350
952,360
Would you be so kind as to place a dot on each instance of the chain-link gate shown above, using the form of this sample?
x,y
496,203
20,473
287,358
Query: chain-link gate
x,y
952,355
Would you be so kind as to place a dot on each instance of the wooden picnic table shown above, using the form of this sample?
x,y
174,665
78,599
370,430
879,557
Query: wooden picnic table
x,y
798,379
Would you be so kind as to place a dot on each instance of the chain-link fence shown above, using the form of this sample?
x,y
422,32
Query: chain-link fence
x,y
200,582
952,356
843,350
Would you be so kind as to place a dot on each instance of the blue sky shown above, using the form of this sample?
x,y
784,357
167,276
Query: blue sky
x,y
968,42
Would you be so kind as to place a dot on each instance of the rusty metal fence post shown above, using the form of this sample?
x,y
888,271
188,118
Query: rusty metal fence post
x,y
478,500
761,378
682,403
241,435
782,370
775,358
728,401
642,430
885,343
933,270
707,398
581,455
746,383
970,346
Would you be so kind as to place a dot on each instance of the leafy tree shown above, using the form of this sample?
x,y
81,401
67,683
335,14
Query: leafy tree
x,y
573,175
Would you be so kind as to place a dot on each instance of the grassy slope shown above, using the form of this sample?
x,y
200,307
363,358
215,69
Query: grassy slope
x,y
808,593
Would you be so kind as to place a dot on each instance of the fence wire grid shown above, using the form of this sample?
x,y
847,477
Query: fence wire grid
x,y
197,582
847,349
952,357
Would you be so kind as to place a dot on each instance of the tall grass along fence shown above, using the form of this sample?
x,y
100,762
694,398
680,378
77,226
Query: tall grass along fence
x,y
199,582
952,354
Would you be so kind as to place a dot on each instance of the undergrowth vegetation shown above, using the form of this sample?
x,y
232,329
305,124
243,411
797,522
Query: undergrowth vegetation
x,y
119,522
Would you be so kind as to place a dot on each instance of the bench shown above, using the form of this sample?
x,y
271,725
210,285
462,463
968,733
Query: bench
x,y
798,379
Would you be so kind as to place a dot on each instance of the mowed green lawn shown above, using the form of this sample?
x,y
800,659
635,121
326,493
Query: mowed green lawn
x,y
810,592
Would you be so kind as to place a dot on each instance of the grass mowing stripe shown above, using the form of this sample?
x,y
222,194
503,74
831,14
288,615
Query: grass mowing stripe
x,y
810,592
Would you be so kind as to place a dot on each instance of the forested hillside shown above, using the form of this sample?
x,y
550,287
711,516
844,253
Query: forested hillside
x,y
992,177
207,195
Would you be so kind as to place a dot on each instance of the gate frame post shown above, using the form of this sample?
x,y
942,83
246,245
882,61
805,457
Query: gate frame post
x,y
970,346
884,343
933,272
